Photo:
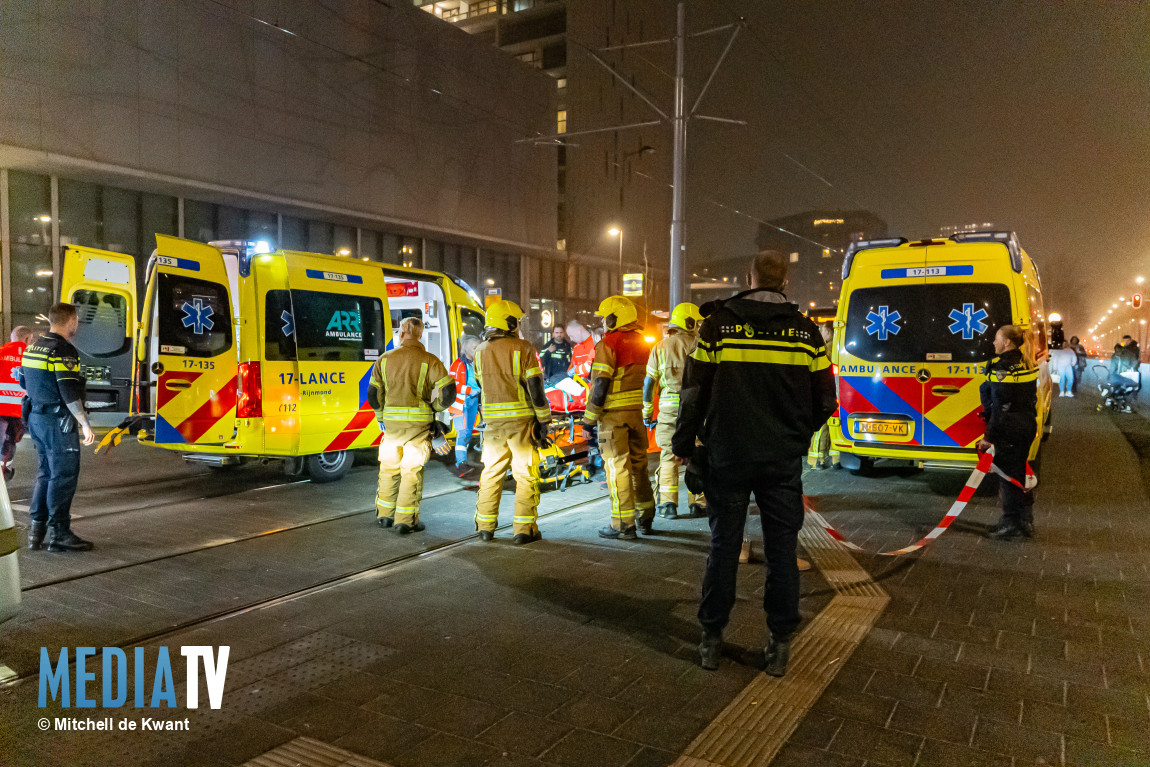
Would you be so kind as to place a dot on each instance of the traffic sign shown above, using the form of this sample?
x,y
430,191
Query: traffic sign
x,y
1136,301
492,295
633,284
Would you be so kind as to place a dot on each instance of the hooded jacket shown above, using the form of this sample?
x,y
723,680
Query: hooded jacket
x,y
757,386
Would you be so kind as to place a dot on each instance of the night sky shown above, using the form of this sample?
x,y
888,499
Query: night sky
x,y
1034,116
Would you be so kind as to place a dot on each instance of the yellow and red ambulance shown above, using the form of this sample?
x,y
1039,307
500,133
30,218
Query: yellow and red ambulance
x,y
243,353
913,332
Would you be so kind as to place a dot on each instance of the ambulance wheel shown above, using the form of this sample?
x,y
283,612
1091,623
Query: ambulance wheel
x,y
329,467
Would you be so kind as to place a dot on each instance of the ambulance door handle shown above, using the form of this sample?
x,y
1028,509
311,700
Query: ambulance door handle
x,y
177,383
944,391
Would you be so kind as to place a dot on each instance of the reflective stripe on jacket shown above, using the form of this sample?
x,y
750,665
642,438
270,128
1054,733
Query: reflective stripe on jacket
x,y
621,357
11,392
51,372
405,378
503,365
1010,399
668,359
466,386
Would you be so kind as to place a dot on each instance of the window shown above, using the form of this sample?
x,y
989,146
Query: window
x,y
195,316
336,328
562,121
199,221
30,222
953,321
279,327
103,330
472,322
294,233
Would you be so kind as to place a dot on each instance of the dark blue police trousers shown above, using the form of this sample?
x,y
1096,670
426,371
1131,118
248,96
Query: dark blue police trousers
x,y
58,461
778,489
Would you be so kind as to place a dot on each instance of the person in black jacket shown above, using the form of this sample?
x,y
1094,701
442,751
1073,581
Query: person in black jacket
x,y
756,388
1010,407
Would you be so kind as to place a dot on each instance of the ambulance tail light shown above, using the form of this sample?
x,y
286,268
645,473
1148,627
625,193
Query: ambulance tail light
x,y
835,373
251,400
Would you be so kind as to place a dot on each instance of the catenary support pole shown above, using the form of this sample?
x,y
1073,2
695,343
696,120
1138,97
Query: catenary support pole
x,y
679,162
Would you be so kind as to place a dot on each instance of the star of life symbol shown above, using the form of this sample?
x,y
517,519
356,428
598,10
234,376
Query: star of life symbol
x,y
968,321
883,323
289,323
198,316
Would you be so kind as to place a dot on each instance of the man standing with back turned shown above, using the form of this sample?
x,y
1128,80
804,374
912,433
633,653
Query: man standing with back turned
x,y
757,386
55,386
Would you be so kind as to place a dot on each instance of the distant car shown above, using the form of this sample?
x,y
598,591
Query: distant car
x,y
9,567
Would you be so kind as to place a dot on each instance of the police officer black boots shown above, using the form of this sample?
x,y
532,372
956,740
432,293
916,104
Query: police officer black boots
x,y
36,535
710,649
776,655
63,539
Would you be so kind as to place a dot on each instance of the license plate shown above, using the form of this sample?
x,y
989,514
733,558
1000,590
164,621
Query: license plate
x,y
893,428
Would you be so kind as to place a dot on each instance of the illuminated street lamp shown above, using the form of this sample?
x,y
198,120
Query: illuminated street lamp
x,y
616,231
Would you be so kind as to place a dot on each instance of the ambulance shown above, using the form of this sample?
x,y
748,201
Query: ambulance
x,y
913,333
245,354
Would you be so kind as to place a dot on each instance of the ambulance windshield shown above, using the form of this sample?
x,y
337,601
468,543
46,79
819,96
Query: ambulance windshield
x,y
930,322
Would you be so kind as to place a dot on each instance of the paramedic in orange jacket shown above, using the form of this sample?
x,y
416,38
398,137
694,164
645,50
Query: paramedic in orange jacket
x,y
465,410
615,407
11,397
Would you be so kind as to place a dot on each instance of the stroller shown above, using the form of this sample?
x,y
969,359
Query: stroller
x,y
1118,390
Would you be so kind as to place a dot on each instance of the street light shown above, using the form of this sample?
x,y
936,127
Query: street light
x,y
616,231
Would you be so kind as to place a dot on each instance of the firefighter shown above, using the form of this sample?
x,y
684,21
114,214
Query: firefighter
x,y
55,385
516,418
665,373
755,390
465,410
1009,405
11,397
615,409
408,386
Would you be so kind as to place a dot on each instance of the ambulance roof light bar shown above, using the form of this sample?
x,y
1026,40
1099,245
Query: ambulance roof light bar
x,y
855,247
1009,239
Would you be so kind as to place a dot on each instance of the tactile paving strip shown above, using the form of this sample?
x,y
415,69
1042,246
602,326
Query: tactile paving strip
x,y
756,724
306,752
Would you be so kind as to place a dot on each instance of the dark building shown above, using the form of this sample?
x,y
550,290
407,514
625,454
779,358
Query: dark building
x,y
816,241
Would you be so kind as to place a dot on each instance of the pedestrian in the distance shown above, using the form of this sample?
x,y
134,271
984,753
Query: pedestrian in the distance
x,y
756,388
556,356
1010,408
1062,363
50,374
1079,352
11,397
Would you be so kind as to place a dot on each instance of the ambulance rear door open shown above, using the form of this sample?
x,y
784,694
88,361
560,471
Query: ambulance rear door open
x,y
424,300
191,332
102,286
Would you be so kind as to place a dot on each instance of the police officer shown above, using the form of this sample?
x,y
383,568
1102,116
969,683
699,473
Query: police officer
x,y
615,407
408,386
665,373
757,386
516,417
55,387
465,410
1009,406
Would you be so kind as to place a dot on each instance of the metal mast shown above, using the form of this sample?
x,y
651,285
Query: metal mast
x,y
679,162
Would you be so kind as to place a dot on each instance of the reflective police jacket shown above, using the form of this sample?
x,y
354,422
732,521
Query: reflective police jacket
x,y
618,371
757,386
665,367
1010,399
466,385
511,381
51,374
11,392
402,383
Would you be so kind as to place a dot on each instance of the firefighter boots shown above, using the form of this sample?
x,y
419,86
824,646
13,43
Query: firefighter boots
x,y
668,510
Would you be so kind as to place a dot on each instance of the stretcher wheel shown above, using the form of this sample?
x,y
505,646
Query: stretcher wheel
x,y
329,467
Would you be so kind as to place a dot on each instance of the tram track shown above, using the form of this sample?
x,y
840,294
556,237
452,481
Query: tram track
x,y
218,544
303,591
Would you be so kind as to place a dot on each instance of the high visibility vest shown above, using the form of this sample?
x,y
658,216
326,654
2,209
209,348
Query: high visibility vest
x,y
466,386
11,392
581,360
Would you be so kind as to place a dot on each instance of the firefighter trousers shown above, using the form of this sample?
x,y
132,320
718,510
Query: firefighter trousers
x,y
508,444
623,443
402,454
668,465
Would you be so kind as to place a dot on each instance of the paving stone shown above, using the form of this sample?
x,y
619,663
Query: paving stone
x,y
1132,733
461,716
326,721
652,757
798,755
952,672
659,729
1027,686
592,712
536,698
937,753
933,723
582,748
1003,707
816,730
524,733
860,707
874,744
1086,753
383,738
1032,745
442,750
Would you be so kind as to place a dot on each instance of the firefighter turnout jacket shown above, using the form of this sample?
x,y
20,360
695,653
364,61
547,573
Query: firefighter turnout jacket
x,y
758,384
1010,399
11,392
511,380
402,382
665,367
618,371
52,375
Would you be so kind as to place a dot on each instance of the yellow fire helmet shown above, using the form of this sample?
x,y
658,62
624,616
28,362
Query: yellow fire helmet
x,y
617,311
686,317
503,315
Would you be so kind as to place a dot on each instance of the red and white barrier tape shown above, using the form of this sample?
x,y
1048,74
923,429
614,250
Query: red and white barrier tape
x,y
985,464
